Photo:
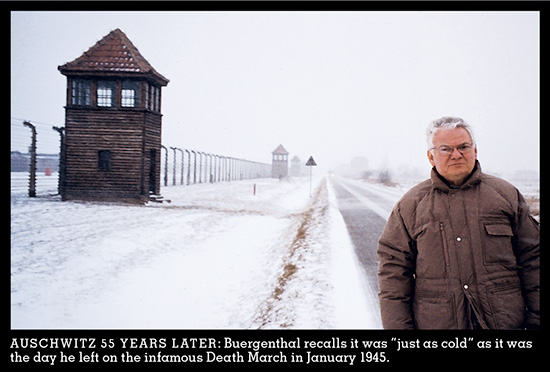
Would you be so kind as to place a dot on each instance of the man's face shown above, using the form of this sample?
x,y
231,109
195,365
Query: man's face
x,y
456,166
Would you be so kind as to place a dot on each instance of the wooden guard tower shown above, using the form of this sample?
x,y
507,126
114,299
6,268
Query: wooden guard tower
x,y
295,166
112,123
279,167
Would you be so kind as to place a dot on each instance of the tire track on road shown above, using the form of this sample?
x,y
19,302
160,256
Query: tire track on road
x,y
365,213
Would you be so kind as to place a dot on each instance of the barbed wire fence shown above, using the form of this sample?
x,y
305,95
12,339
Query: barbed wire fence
x,y
36,148
187,166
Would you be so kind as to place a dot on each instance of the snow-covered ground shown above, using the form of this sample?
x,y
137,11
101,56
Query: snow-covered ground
x,y
216,256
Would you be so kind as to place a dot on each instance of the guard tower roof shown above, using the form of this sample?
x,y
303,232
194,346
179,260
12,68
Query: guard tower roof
x,y
280,150
113,55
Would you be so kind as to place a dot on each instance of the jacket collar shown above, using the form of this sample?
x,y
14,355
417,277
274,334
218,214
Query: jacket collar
x,y
441,183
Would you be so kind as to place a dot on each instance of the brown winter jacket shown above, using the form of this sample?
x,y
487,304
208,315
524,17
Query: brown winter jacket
x,y
460,258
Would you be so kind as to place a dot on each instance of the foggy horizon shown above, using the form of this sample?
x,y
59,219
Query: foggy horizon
x,y
332,85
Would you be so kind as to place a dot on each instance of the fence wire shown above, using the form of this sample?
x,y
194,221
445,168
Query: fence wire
x,y
179,166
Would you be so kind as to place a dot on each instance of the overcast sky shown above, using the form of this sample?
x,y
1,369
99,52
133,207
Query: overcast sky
x,y
334,85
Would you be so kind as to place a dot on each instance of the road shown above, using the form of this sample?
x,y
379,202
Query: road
x,y
365,208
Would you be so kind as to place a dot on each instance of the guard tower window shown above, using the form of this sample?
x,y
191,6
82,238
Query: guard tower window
x,y
105,93
130,93
104,160
80,92
153,98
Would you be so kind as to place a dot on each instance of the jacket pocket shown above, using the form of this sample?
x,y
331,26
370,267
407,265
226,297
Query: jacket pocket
x,y
434,311
432,258
497,242
507,305
445,247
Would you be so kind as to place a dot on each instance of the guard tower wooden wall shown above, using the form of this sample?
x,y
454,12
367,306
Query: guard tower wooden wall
x,y
112,123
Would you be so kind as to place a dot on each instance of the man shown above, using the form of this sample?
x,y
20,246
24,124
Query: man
x,y
460,250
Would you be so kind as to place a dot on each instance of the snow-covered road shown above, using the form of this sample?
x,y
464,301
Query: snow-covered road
x,y
217,256
365,207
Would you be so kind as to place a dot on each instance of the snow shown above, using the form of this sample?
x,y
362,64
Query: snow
x,y
216,256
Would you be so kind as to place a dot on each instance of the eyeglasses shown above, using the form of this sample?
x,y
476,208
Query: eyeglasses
x,y
446,150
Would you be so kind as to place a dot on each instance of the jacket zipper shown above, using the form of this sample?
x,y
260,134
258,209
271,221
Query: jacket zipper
x,y
445,247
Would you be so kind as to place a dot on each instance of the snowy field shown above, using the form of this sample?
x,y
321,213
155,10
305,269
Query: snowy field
x,y
216,256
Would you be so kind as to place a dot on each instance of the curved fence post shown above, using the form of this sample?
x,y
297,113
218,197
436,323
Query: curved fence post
x,y
62,167
165,165
32,177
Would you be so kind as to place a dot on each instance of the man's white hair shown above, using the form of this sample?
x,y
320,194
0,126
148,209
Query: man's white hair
x,y
447,122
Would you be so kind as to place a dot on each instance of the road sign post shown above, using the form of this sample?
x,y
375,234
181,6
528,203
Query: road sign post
x,y
310,163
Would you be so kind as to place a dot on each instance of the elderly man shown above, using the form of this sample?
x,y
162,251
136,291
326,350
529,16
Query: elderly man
x,y
460,250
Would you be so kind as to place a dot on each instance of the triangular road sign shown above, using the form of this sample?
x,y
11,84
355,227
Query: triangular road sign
x,y
311,162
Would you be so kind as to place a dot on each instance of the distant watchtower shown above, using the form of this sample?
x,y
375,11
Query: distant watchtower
x,y
295,167
279,167
112,123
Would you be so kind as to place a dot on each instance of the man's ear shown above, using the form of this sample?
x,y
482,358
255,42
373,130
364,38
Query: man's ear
x,y
431,158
